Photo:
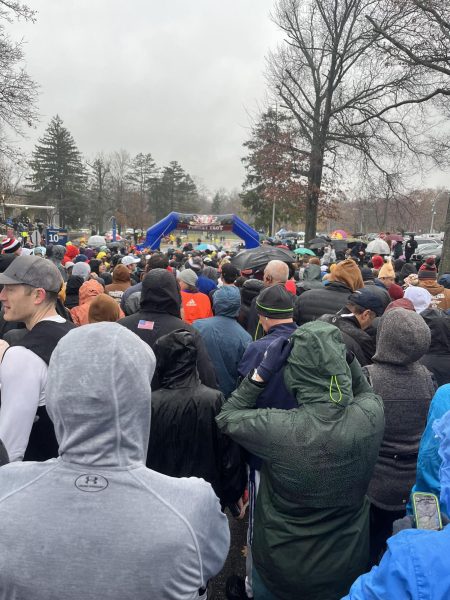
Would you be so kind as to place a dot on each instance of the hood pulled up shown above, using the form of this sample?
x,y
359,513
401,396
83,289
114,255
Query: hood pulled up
x,y
101,412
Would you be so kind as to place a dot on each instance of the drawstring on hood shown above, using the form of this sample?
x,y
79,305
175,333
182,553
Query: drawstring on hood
x,y
317,369
102,419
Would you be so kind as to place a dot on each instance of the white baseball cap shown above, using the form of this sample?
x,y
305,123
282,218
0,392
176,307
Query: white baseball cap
x,y
130,260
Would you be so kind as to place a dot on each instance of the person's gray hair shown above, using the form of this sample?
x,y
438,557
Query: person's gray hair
x,y
278,271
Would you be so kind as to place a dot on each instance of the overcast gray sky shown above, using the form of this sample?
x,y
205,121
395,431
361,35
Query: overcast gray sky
x,y
177,79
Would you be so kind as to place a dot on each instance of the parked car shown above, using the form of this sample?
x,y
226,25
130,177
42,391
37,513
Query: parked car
x,y
424,251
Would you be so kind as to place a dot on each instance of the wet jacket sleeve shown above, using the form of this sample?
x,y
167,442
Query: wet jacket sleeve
x,y
233,470
394,578
251,427
213,536
429,461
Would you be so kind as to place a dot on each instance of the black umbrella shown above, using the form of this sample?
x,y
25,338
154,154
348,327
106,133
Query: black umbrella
x,y
258,257
319,242
317,245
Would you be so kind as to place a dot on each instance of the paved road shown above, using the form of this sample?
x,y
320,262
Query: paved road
x,y
235,563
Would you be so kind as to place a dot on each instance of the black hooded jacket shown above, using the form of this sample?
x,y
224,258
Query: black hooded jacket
x,y
184,438
249,291
327,300
437,359
72,291
160,314
356,340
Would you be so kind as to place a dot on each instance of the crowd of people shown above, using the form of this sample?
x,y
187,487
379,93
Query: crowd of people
x,y
148,396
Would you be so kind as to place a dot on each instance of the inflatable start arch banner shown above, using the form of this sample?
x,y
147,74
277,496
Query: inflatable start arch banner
x,y
194,222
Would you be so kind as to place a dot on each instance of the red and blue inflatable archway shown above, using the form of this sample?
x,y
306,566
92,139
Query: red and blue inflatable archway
x,y
195,222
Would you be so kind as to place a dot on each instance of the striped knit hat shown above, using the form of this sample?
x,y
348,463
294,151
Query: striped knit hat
x,y
10,245
428,269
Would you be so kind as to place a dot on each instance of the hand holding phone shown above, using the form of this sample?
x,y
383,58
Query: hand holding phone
x,y
427,513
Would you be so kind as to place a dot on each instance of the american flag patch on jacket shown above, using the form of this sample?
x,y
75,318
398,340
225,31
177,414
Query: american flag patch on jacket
x,y
146,324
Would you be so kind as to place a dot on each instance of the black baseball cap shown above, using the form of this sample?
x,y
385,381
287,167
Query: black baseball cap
x,y
367,299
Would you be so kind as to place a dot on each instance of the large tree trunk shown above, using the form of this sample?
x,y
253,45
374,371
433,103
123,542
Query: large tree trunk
x,y
444,266
312,199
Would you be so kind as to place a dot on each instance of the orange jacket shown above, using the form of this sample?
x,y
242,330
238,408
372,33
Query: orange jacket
x,y
88,291
195,306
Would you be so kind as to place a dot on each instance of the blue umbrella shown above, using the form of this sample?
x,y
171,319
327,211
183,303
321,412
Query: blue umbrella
x,y
201,247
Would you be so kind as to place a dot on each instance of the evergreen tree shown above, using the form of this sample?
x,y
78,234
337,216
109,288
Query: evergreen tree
x,y
57,174
141,177
176,191
216,206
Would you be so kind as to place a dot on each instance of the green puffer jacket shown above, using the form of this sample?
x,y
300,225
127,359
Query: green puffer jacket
x,y
311,534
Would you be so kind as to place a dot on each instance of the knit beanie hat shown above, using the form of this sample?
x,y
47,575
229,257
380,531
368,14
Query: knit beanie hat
x,y
367,274
189,276
80,258
10,245
428,269
348,273
387,270
275,302
395,291
401,303
377,261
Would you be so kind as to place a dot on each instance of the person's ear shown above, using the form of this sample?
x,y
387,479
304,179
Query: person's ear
x,y
39,295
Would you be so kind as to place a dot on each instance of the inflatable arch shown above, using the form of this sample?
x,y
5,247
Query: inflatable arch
x,y
195,222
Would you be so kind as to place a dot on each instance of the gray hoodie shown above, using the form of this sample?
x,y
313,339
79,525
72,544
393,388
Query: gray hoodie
x,y
406,387
95,522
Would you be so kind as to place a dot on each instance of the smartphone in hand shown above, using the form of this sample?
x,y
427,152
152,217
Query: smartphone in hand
x,y
427,513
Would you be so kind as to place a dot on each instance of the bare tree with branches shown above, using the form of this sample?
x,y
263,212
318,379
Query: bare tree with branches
x,y
416,33
18,92
348,96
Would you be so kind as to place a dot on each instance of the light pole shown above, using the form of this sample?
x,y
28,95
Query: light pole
x,y
433,209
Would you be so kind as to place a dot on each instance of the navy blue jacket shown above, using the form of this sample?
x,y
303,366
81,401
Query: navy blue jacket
x,y
275,393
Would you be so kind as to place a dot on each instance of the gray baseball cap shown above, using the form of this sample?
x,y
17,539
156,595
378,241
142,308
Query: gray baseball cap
x,y
34,271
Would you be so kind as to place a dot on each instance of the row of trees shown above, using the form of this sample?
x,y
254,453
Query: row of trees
x,y
419,210
134,189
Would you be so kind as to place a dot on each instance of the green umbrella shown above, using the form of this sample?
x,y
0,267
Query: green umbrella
x,y
304,251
